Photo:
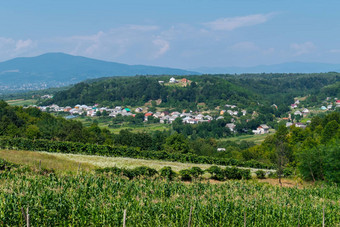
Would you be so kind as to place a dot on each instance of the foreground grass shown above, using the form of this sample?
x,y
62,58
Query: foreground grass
x,y
100,200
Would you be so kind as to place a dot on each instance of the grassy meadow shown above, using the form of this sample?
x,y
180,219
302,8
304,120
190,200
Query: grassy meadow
x,y
21,102
70,162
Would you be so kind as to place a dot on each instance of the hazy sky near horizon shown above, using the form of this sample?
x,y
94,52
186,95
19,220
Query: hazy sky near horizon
x,y
183,34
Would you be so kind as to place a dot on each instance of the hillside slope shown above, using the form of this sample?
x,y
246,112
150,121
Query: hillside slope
x,y
57,69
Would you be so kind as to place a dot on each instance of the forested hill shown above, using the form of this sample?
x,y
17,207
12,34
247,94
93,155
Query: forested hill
x,y
248,90
56,69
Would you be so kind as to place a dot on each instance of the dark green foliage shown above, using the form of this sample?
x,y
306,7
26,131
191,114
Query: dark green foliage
x,y
321,162
220,174
185,175
177,143
141,171
260,174
145,171
216,173
167,173
196,172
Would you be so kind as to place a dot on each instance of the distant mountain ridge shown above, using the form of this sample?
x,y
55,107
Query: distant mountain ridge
x,y
59,69
288,67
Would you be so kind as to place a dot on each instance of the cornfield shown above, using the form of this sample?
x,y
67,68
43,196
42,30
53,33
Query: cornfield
x,y
100,200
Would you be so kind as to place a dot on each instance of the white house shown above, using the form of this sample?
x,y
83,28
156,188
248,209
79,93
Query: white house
x,y
262,129
297,113
305,111
231,126
172,80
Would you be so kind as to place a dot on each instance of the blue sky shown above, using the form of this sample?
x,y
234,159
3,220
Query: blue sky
x,y
183,34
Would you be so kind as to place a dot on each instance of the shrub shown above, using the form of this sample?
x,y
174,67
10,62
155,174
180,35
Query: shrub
x,y
216,173
196,172
167,173
288,172
144,171
260,174
246,175
272,175
185,175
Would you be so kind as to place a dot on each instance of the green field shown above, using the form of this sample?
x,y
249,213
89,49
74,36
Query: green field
x,y
145,127
104,123
22,102
257,139
102,199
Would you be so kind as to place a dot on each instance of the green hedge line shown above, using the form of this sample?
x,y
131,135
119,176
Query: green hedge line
x,y
166,172
120,151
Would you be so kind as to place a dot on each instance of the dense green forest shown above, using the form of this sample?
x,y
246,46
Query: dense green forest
x,y
314,150
249,91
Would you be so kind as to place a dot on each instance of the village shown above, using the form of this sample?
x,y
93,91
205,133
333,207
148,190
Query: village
x,y
295,116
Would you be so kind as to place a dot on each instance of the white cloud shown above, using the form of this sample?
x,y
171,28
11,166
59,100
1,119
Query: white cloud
x,y
163,47
302,48
129,41
22,44
231,23
10,48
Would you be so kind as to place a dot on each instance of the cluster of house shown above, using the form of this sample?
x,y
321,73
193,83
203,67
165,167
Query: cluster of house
x,y
329,105
164,117
304,112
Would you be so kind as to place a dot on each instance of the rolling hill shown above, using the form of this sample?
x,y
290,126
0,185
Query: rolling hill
x,y
59,69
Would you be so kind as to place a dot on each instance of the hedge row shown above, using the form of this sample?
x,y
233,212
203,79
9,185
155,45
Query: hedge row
x,y
120,151
166,172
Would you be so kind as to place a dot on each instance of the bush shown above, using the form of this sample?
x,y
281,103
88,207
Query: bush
x,y
216,173
144,171
233,173
288,172
260,174
185,175
246,175
196,172
272,175
167,173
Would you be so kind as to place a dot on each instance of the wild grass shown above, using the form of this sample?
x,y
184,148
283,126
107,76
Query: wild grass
x,y
48,160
